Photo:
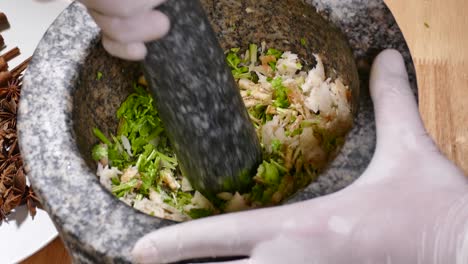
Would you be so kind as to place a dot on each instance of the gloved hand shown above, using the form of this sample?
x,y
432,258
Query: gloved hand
x,y
127,24
409,206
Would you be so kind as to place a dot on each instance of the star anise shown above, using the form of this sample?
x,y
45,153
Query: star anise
x,y
3,214
12,90
12,201
32,201
13,188
19,181
11,195
9,153
6,175
8,109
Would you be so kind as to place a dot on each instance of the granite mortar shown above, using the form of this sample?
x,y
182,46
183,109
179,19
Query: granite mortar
x,y
62,101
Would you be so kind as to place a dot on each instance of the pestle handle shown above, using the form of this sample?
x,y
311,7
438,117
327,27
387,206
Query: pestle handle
x,y
200,104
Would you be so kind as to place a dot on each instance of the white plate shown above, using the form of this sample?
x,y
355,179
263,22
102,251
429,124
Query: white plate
x,y
29,19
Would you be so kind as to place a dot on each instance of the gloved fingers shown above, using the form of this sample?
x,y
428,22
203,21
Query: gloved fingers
x,y
398,122
403,144
131,51
222,236
142,27
320,248
241,261
121,8
227,235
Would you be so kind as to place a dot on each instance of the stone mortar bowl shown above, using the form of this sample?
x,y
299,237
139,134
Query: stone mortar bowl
x,y
62,101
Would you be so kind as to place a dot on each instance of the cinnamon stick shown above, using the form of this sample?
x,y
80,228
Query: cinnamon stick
x,y
5,58
3,64
5,77
11,54
16,72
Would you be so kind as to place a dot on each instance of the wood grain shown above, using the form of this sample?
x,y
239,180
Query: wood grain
x,y
446,107
436,34
53,253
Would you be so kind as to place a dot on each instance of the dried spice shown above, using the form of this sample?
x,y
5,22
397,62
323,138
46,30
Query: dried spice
x,y
14,190
2,42
8,112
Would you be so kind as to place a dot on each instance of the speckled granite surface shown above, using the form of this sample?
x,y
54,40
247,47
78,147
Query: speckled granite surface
x,y
56,118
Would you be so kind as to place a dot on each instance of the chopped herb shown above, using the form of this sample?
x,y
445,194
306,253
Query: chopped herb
x,y
275,53
258,112
235,63
310,123
148,176
139,120
125,187
253,50
141,142
280,93
98,133
280,167
98,76
197,213
276,145
271,175
272,65
257,192
115,180
99,152
233,59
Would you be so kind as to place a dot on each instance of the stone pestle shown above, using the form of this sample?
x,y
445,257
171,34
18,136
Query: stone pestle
x,y
199,103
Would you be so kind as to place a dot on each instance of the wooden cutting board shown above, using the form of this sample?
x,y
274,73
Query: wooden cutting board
x,y
436,34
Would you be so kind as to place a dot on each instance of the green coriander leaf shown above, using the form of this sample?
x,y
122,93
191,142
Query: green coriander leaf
x,y
197,213
268,194
233,60
272,176
258,112
257,192
280,167
183,199
276,145
115,181
272,65
253,50
99,152
280,94
98,133
275,53
125,187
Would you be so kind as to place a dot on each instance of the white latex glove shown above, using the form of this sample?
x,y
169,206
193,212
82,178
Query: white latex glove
x,y
409,206
127,24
